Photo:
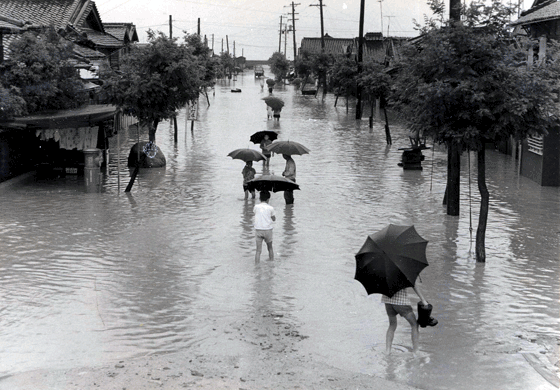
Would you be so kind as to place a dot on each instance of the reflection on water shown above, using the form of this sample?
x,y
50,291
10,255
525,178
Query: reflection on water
x,y
92,278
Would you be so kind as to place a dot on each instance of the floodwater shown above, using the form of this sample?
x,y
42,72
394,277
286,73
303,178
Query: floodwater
x,y
90,278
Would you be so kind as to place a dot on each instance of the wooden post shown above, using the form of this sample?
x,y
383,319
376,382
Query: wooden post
x,y
176,131
542,50
117,123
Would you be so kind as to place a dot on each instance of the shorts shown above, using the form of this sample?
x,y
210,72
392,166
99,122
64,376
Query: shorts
x,y
393,310
246,188
276,115
265,235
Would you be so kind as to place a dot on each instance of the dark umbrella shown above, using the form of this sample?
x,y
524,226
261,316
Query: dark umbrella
x,y
270,82
273,102
391,260
259,136
271,183
247,155
287,147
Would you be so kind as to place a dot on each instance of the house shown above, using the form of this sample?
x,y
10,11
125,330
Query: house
x,y
375,47
540,155
62,140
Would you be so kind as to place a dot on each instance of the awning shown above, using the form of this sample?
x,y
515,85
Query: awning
x,y
79,117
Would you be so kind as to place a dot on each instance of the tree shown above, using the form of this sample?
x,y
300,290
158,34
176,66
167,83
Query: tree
x,y
344,73
11,103
226,64
279,65
39,71
208,66
469,84
375,81
155,81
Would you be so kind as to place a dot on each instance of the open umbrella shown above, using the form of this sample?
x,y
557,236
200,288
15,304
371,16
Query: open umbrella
x,y
287,147
273,102
270,82
259,136
391,260
247,155
271,183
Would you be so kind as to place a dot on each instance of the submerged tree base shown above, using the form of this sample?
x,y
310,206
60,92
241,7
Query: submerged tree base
x,y
156,160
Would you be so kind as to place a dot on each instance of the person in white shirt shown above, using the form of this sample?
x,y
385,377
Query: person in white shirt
x,y
264,219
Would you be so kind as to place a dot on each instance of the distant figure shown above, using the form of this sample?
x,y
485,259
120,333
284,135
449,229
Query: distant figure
x,y
264,219
289,173
267,153
276,114
269,112
248,173
399,304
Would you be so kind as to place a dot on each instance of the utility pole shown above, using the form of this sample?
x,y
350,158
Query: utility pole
x,y
294,33
452,192
227,45
212,43
285,38
222,45
324,76
198,28
388,23
170,28
280,37
360,59
320,5
455,10
381,9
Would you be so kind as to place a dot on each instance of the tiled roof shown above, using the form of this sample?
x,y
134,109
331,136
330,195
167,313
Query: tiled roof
x,y
7,27
117,32
373,48
88,53
332,45
102,39
540,13
126,32
42,12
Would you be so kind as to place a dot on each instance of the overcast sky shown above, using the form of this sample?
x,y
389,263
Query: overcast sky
x,y
254,24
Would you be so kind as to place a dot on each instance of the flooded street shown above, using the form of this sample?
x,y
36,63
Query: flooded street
x,y
87,279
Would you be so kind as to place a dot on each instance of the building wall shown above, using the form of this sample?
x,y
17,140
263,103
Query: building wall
x,y
543,169
551,158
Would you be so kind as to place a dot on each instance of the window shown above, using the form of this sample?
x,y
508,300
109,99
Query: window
x,y
535,143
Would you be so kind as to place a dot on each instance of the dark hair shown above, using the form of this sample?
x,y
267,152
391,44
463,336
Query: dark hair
x,y
264,195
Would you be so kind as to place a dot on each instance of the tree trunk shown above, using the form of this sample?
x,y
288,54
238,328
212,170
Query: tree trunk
x,y
484,201
453,177
336,100
135,172
324,85
387,131
152,130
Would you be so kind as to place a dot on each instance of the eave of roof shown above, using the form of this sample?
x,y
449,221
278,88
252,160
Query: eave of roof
x,y
542,14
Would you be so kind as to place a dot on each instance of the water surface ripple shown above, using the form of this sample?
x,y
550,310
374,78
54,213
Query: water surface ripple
x,y
87,279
